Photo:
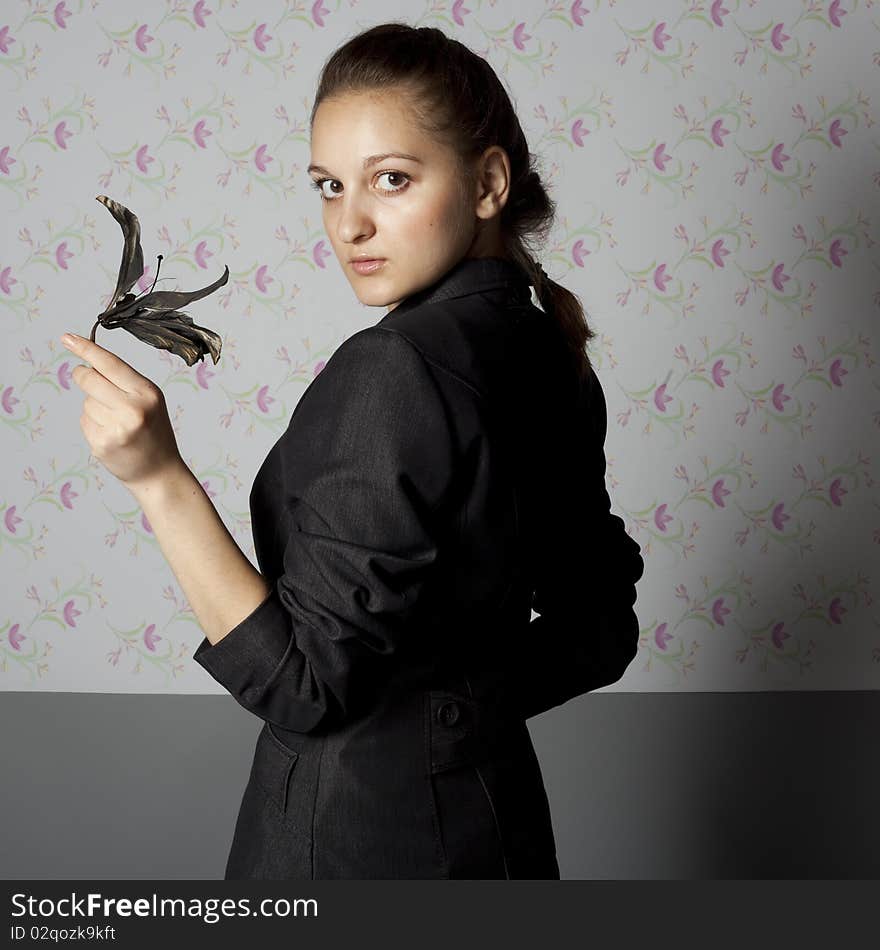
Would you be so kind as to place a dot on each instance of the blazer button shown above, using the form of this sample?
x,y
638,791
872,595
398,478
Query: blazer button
x,y
448,713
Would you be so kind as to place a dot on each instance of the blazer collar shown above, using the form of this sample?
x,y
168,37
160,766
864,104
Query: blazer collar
x,y
471,275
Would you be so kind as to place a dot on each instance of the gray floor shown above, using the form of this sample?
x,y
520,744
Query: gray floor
x,y
642,785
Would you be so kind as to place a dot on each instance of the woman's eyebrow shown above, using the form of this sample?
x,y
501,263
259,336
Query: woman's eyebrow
x,y
369,160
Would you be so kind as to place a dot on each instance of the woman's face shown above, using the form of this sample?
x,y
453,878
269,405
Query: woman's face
x,y
412,211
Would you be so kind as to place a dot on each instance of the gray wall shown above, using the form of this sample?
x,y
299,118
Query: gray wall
x,y
642,785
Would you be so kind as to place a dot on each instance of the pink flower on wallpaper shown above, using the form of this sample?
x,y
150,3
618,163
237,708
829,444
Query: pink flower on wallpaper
x,y
8,400
578,12
836,372
458,8
262,279
6,280
319,11
264,400
60,15
63,375
579,133
836,491
719,611
836,610
151,638
835,13
659,37
145,524
11,519
719,493
661,519
660,397
318,367
718,131
661,157
836,133
837,252
203,374
142,160
520,36
719,252
778,157
778,517
142,38
661,278
579,253
719,372
208,490
61,135
777,37
144,282
778,278
14,637
62,255
261,37
5,161
70,614
261,160
717,11
779,398
200,11
661,637
5,40
320,253
201,133
778,635
201,254
67,494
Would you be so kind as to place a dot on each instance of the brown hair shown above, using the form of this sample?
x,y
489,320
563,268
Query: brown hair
x,y
457,98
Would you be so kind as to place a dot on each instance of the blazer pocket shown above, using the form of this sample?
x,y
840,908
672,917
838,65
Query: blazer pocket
x,y
273,767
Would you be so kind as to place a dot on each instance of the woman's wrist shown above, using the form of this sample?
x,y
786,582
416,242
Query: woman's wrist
x,y
169,482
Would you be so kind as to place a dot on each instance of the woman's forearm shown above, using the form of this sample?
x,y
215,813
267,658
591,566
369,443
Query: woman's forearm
x,y
220,583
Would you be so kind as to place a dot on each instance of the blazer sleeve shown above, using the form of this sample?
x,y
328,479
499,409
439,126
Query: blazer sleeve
x,y
367,458
587,631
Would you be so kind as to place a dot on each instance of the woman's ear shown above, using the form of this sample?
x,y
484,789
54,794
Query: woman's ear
x,y
493,177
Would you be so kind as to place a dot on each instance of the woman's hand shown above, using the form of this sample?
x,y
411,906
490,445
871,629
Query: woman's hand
x,y
124,417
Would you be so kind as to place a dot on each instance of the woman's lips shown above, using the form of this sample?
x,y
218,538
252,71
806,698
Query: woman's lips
x,y
368,267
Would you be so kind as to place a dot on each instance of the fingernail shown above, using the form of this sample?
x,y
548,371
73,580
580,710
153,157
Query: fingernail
x,y
68,339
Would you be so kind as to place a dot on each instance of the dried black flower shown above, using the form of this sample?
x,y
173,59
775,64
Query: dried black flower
x,y
153,317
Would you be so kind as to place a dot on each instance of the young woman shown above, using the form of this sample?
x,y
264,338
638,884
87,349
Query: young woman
x,y
442,475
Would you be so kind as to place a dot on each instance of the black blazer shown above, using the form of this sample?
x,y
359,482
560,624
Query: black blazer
x,y
440,477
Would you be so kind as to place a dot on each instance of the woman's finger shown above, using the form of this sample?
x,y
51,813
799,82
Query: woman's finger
x,y
91,381
99,412
108,378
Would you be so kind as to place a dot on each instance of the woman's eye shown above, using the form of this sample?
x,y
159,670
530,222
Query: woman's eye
x,y
318,184
319,187
399,176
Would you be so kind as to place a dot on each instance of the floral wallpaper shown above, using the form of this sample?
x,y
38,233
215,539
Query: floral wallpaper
x,y
716,167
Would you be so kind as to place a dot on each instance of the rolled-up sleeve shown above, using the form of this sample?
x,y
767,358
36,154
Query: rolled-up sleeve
x,y
366,462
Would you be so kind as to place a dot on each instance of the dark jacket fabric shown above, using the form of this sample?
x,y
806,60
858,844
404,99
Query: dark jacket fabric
x,y
442,476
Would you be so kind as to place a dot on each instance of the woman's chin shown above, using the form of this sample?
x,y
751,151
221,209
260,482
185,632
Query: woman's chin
x,y
375,298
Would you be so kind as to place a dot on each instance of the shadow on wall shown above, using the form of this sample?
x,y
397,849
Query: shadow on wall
x,y
714,785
